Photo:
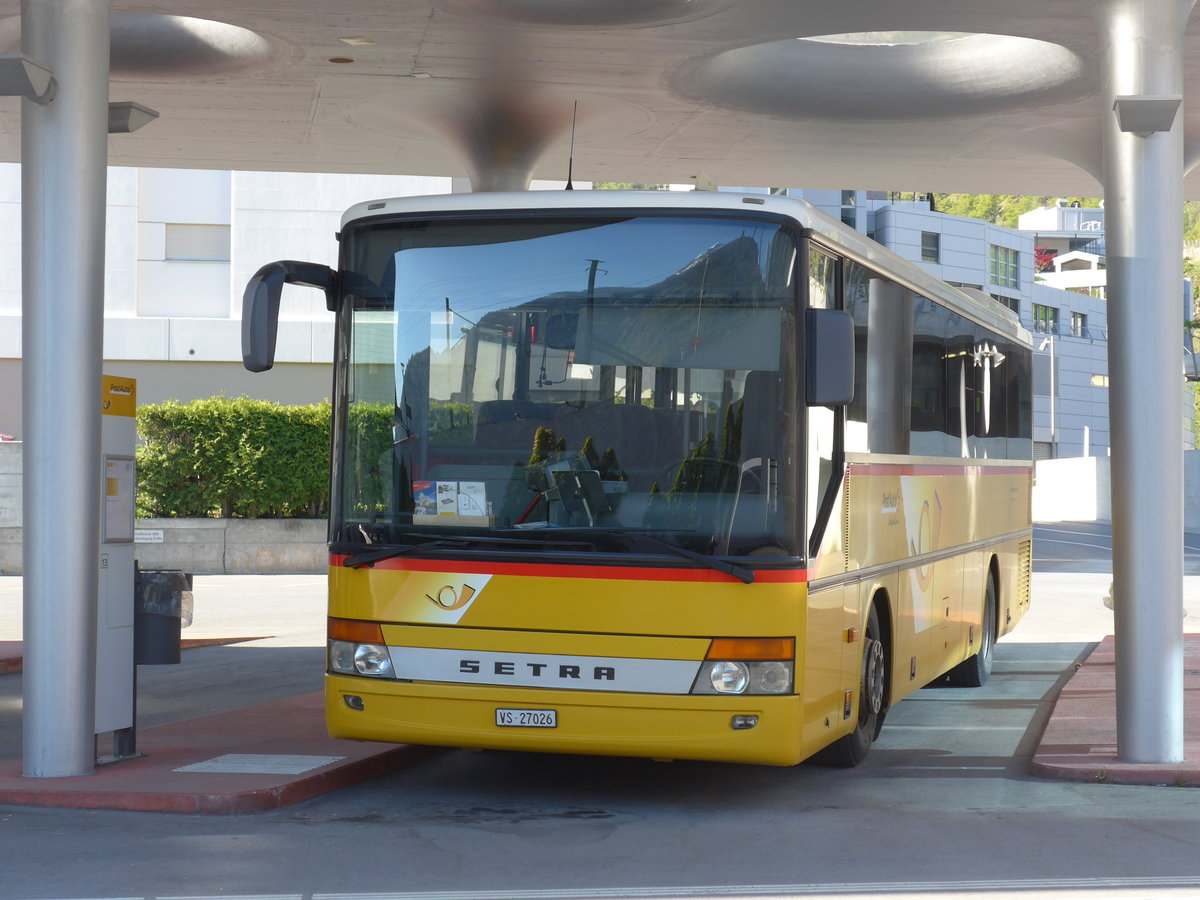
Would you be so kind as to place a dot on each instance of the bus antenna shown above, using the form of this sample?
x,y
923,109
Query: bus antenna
x,y
571,153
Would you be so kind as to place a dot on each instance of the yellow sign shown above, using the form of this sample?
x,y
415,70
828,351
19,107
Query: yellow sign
x,y
118,396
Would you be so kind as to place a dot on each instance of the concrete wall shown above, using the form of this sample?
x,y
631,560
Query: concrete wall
x,y
1077,489
214,546
235,546
1080,490
1191,490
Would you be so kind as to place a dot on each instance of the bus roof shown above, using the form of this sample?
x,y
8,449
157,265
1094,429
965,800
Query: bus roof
x,y
829,231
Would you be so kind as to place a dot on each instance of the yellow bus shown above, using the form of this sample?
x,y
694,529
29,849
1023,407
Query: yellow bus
x,y
670,475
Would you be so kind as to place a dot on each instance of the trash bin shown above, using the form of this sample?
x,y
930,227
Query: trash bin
x,y
162,605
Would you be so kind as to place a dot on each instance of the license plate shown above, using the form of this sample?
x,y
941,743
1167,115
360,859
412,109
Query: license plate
x,y
527,718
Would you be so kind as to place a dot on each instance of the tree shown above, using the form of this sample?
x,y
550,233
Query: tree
x,y
1191,222
626,186
999,209
1191,269
1043,259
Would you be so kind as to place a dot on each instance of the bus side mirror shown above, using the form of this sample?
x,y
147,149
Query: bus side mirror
x,y
830,358
260,306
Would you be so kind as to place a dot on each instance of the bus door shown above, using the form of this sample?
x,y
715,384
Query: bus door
x,y
830,661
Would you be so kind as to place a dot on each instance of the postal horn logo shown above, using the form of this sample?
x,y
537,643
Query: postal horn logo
x,y
449,598
444,597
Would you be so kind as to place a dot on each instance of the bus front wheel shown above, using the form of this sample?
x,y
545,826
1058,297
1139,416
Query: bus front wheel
x,y
852,749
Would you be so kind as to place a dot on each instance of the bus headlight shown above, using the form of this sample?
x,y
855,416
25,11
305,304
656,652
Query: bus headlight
x,y
728,677
737,677
341,657
373,659
771,677
747,666
349,658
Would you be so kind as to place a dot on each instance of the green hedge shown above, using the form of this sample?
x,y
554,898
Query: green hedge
x,y
368,440
221,457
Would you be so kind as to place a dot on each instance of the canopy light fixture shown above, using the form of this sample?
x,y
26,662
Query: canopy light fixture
x,y
125,116
1145,114
22,77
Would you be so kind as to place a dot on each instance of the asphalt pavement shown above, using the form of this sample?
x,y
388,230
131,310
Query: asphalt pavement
x,y
948,803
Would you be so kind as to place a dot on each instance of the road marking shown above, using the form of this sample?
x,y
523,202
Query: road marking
x,y
1063,888
1032,888
260,764
892,726
1104,547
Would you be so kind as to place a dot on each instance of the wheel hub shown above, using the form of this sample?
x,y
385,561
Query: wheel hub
x,y
873,676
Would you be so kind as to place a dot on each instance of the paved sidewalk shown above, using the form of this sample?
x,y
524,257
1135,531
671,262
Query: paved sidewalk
x,y
1080,740
248,760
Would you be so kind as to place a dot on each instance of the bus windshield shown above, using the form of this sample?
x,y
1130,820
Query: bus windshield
x,y
612,374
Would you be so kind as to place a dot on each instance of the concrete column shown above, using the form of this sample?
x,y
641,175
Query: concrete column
x,y
64,157
1143,192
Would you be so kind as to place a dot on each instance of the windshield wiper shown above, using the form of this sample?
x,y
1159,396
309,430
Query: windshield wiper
x,y
746,576
390,551
370,557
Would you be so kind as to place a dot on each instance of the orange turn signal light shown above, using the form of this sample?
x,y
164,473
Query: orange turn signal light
x,y
752,648
355,631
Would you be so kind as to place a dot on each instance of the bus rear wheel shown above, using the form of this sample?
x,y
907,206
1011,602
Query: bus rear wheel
x,y
974,672
852,749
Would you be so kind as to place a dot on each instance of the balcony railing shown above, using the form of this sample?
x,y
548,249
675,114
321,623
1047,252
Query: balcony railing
x,y
1064,329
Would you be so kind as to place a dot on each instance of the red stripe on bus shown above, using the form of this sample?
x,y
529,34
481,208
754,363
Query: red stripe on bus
x,y
549,570
908,469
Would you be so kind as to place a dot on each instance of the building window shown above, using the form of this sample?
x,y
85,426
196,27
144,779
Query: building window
x,y
930,246
197,243
1004,266
1013,303
1045,318
1078,324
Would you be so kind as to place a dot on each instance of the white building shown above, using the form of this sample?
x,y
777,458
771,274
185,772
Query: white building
x,y
181,245
1065,309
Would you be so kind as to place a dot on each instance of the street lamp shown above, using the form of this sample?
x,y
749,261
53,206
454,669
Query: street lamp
x,y
1049,342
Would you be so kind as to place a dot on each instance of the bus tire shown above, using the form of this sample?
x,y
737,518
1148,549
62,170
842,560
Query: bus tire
x,y
974,672
851,749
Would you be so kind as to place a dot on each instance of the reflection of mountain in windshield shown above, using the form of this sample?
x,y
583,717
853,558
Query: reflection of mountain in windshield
x,y
703,316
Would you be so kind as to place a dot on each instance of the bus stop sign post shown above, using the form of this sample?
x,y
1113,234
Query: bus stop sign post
x,y
115,671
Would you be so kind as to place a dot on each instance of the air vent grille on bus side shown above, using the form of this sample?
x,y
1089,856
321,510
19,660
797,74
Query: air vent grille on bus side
x,y
1024,572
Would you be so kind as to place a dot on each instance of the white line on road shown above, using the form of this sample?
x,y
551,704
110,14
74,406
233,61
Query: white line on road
x,y
1060,888
1104,547
1164,886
